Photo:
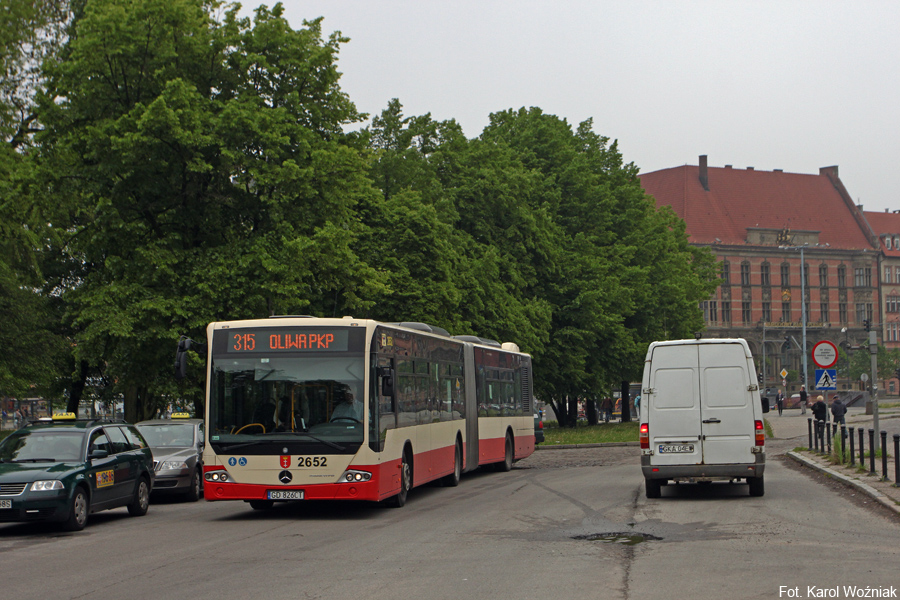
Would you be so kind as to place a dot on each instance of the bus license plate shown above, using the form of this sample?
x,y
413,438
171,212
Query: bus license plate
x,y
5,503
284,494
676,448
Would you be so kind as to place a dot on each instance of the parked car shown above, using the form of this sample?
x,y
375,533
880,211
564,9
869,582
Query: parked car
x,y
63,470
177,446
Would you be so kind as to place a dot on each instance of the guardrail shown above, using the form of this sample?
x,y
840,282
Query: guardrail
x,y
821,434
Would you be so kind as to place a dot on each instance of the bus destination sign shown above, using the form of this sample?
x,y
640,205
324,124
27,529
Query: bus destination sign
x,y
273,341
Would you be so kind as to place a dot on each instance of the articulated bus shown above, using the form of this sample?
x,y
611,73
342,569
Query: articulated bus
x,y
303,408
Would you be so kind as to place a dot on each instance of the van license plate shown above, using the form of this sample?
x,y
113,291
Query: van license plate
x,y
285,495
676,448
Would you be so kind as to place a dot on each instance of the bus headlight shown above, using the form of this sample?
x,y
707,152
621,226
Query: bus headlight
x,y
218,477
354,476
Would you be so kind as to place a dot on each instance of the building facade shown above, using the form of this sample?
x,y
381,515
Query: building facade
x,y
760,224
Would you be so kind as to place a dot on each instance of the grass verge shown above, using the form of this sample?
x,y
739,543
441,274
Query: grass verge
x,y
589,434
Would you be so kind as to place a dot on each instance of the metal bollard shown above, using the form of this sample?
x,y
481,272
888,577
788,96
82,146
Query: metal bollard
x,y
884,453
844,444
816,435
862,452
809,427
871,451
852,449
897,460
827,434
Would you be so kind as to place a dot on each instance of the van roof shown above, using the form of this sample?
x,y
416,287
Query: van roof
x,y
702,341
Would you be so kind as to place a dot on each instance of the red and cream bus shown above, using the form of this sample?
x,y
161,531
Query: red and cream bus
x,y
303,408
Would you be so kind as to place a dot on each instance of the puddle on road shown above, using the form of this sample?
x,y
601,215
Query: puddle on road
x,y
624,539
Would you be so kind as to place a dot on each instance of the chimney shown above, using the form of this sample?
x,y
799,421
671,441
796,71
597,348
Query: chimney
x,y
704,175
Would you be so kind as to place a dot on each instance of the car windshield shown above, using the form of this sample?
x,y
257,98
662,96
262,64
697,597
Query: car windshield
x,y
174,434
43,445
279,397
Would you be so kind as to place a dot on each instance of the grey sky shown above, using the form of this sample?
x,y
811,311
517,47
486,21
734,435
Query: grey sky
x,y
774,85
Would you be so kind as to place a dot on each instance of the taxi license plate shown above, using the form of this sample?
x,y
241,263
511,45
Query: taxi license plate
x,y
676,448
284,494
5,503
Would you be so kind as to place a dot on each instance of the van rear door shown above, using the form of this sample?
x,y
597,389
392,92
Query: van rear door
x,y
726,412
674,418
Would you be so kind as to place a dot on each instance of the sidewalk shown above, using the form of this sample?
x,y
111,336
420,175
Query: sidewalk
x,y
794,426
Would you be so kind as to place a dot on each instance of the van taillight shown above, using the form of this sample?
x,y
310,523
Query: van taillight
x,y
540,424
645,436
760,433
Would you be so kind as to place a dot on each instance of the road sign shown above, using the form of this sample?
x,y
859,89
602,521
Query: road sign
x,y
825,354
826,379
783,373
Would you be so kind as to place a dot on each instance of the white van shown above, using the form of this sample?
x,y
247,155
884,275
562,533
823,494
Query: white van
x,y
701,415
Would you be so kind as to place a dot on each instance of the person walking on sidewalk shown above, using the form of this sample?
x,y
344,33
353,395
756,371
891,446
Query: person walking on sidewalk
x,y
820,409
779,401
838,410
803,399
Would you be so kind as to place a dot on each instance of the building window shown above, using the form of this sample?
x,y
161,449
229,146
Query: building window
x,y
766,311
726,272
897,275
806,275
745,273
764,274
823,312
823,275
785,275
786,312
745,313
869,312
892,304
726,311
861,312
710,313
887,274
842,312
842,276
863,277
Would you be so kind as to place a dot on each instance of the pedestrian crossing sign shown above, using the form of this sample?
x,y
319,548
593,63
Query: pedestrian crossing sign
x,y
826,379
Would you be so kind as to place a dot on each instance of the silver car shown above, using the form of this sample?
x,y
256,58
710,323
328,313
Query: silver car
x,y
177,446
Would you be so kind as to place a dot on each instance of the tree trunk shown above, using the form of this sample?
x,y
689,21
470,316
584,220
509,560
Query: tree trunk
x,y
78,386
591,412
626,402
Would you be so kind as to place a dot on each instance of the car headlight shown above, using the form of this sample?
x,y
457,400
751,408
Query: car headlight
x,y
172,465
47,486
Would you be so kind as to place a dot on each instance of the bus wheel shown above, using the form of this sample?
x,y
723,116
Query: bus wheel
x,y
507,463
452,480
261,504
405,482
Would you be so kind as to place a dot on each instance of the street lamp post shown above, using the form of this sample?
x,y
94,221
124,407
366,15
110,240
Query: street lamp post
x,y
805,376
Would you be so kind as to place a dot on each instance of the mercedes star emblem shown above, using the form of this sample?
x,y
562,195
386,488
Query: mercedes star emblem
x,y
285,477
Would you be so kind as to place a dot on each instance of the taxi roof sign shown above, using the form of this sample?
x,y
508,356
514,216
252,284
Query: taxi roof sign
x,y
66,416
181,415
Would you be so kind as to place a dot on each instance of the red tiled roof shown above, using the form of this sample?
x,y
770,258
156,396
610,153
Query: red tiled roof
x,y
739,199
883,224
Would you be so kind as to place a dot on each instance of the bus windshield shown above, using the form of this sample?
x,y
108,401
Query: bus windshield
x,y
297,398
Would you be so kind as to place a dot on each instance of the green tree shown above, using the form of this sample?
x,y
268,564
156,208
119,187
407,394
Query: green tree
x,y
199,171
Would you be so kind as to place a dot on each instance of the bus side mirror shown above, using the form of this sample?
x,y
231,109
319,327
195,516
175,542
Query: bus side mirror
x,y
184,344
387,381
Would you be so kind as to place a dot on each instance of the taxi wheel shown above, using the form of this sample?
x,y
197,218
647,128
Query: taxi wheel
x,y
141,502
78,511
196,490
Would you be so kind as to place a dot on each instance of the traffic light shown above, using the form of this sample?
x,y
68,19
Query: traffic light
x,y
867,324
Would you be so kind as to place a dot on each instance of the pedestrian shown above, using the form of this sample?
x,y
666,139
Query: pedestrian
x,y
803,399
838,410
606,409
820,409
637,406
779,401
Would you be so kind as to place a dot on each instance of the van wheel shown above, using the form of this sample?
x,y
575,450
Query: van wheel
x,y
757,486
653,488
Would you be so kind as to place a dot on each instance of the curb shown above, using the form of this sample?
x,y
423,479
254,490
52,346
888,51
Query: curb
x,y
571,446
849,481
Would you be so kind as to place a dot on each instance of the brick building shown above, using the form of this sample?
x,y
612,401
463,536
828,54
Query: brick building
x,y
886,226
758,224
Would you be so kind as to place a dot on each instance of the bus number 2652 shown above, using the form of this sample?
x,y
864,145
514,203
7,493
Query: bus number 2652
x,y
312,461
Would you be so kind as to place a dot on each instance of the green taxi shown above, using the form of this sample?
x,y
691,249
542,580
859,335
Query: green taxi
x,y
65,469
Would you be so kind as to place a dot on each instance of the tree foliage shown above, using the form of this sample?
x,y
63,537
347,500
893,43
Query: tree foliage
x,y
195,165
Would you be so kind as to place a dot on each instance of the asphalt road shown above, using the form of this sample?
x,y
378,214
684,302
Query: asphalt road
x,y
563,524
